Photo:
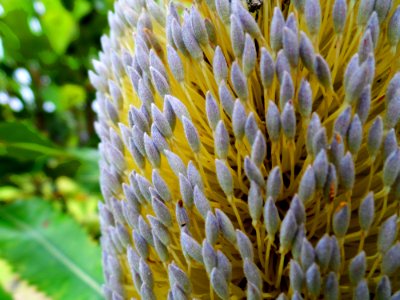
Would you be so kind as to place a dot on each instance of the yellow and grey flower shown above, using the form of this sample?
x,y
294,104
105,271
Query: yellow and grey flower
x,y
250,150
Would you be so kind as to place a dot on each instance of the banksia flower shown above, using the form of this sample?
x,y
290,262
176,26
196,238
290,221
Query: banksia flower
x,y
250,150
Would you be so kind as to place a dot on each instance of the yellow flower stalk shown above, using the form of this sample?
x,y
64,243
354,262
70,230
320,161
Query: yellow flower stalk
x,y
249,150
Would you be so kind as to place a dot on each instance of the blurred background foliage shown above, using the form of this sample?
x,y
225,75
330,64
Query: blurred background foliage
x,y
48,159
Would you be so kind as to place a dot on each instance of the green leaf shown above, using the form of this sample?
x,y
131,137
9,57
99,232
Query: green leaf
x,y
58,25
81,8
4,295
21,140
88,171
50,251
66,96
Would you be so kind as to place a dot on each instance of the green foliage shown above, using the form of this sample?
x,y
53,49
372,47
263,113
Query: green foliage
x,y
50,251
24,143
4,295
47,144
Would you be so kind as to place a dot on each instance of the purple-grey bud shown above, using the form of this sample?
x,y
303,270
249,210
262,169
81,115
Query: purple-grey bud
x,y
391,168
281,65
354,135
246,19
219,284
383,289
312,13
305,99
274,183
239,82
296,276
249,56
307,185
393,29
221,140
191,247
212,110
160,230
307,53
253,172
364,104
382,8
341,220
373,26
224,177
255,202
392,115
320,167
140,244
365,10
273,122
191,134
267,68
201,202
366,212
286,90
271,217
175,64
313,278
151,151
387,234
186,190
288,121
220,67
226,226
179,277
237,36
223,10
322,71
198,27
287,231
209,256
339,14
307,255
276,30
361,291
291,46
194,176
162,212
238,119
347,172
251,128
331,291
259,149
212,228
160,82
357,268
252,273
244,244
226,98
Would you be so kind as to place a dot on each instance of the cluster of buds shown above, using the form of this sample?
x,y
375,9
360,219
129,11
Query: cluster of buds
x,y
249,150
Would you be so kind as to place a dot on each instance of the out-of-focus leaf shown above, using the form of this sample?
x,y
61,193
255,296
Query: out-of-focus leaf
x,y
8,193
50,251
10,5
88,172
71,95
21,140
81,8
66,96
10,39
58,25
4,295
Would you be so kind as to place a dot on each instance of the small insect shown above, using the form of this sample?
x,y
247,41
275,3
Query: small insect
x,y
254,5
